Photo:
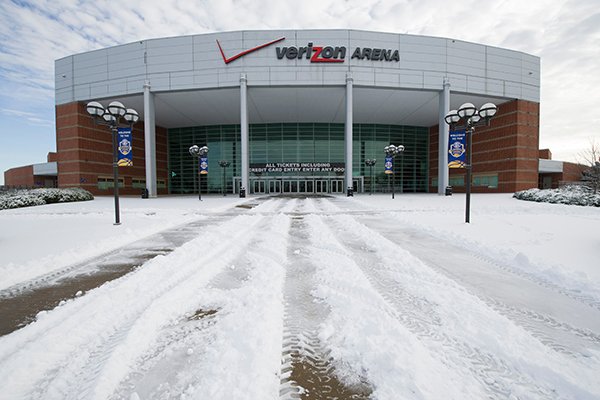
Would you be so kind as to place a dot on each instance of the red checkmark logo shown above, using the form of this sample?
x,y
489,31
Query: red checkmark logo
x,y
243,53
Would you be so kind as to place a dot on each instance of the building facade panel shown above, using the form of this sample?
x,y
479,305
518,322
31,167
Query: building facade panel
x,y
305,76
90,67
200,54
422,44
127,61
169,55
63,74
181,80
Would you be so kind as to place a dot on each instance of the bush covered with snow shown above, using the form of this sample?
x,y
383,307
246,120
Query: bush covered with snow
x,y
574,195
37,197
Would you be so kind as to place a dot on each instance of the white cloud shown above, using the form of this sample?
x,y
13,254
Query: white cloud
x,y
33,118
564,33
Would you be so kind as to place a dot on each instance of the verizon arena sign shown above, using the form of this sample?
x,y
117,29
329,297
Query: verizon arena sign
x,y
335,54
319,54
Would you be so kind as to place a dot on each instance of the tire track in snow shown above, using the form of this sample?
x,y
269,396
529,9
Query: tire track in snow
x,y
135,253
170,367
469,269
560,335
86,376
540,324
419,315
20,303
395,215
74,370
539,280
307,371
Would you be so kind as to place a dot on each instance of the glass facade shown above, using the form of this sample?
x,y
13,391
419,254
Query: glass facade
x,y
298,143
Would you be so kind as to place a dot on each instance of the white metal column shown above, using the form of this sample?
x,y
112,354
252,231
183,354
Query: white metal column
x,y
348,130
244,130
150,140
443,178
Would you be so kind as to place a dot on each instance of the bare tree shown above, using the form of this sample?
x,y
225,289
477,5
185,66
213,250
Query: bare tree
x,y
591,158
591,155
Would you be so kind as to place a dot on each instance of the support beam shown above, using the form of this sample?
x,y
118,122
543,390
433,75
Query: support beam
x,y
244,130
443,178
150,140
348,131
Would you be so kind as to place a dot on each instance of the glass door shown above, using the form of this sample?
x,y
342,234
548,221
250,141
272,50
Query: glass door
x,y
320,186
259,186
337,186
287,187
310,187
274,186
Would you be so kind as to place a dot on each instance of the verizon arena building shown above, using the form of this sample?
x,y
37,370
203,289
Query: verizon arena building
x,y
297,111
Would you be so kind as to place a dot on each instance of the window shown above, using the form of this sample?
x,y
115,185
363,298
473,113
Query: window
x,y
490,181
138,183
458,180
105,182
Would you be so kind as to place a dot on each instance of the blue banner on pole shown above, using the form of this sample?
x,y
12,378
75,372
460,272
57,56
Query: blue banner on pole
x,y
457,149
389,165
124,147
203,165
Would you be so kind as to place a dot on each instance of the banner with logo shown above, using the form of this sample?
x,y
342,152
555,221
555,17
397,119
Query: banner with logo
x,y
457,149
124,147
389,165
203,166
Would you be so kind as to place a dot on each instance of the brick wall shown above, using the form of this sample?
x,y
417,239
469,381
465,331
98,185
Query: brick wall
x,y
572,172
545,154
84,152
509,147
20,176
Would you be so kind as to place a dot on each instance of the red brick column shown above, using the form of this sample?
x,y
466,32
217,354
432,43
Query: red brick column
x,y
84,152
509,147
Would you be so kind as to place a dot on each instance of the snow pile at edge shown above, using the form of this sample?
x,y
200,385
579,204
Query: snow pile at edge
x,y
37,197
572,195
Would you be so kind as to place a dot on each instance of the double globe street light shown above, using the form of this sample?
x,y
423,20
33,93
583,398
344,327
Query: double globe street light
x,y
224,164
371,163
391,152
467,117
200,153
112,116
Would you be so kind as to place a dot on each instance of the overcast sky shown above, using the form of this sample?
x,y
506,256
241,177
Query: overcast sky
x,y
565,34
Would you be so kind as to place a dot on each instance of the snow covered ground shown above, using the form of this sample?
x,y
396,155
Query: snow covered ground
x,y
318,298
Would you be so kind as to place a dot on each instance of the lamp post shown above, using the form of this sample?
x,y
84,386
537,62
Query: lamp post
x,y
199,153
111,116
467,117
391,152
224,164
371,163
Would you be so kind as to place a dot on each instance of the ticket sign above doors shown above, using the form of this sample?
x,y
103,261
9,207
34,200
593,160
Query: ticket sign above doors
x,y
293,167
